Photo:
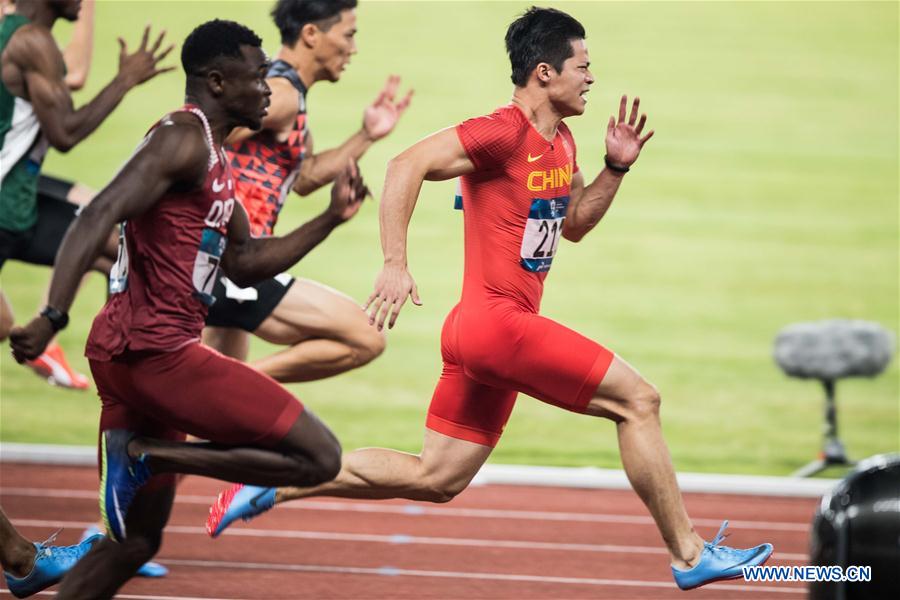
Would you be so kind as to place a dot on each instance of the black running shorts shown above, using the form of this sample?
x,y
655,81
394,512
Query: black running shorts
x,y
246,308
39,244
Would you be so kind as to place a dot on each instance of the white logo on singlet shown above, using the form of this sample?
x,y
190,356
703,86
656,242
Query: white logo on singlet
x,y
219,213
217,187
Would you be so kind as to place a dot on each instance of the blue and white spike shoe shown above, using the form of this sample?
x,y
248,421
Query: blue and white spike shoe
x,y
120,479
50,564
720,562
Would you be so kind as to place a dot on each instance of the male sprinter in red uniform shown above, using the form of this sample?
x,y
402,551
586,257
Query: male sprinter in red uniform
x,y
522,191
156,381
325,332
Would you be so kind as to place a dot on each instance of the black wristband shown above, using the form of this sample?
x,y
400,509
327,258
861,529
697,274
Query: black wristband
x,y
613,166
58,319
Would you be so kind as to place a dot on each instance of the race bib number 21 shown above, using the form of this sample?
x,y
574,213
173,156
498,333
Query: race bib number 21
x,y
542,232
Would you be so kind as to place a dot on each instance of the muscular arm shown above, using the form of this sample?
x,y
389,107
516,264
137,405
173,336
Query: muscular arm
x,y
248,259
589,204
32,53
317,170
379,119
174,157
437,157
77,54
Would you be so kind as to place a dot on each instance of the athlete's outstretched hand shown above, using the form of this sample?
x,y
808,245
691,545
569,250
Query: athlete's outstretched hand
x,y
623,139
347,193
393,286
30,341
382,115
140,66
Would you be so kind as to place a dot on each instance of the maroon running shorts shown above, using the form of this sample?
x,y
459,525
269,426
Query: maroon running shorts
x,y
193,390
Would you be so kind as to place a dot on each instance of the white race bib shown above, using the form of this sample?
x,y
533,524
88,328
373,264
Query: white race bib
x,y
542,232
206,265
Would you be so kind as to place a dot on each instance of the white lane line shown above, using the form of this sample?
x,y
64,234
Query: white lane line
x,y
136,596
424,509
400,539
395,572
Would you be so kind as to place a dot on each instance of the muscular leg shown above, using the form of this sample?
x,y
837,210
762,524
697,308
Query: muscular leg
x,y
308,455
16,553
109,564
443,469
628,399
230,341
328,333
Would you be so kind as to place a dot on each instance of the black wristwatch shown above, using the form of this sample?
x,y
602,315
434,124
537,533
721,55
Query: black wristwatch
x,y
58,319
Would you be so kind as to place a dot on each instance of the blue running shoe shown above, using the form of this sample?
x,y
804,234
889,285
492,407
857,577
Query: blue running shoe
x,y
720,562
50,564
120,479
152,570
238,502
148,569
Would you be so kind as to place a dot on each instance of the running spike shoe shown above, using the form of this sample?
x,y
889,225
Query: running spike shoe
x,y
720,562
120,478
238,502
50,564
53,366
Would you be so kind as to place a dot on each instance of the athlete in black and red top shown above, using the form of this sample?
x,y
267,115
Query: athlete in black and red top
x,y
155,380
326,331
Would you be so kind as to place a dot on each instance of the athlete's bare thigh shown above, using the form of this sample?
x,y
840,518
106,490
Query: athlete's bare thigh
x,y
312,310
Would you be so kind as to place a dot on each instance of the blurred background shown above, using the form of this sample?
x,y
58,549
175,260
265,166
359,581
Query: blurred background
x,y
768,195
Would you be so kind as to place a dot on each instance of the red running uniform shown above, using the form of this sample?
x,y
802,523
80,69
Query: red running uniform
x,y
494,344
152,374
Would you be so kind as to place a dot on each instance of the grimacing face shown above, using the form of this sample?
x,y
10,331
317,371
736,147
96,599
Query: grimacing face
x,y
568,89
337,45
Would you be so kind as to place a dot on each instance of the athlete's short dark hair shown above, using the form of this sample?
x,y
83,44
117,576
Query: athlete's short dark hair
x,y
291,15
540,35
213,40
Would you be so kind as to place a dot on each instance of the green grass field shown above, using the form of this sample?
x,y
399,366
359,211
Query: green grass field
x,y
769,195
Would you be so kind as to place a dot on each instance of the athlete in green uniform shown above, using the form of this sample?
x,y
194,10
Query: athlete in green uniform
x,y
36,110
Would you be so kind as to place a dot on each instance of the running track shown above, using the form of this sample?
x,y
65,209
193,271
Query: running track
x,y
490,542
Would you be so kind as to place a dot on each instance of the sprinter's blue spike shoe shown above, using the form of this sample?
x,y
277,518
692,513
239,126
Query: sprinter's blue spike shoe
x,y
238,502
720,562
120,479
50,564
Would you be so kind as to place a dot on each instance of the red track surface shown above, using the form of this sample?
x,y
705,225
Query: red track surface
x,y
490,542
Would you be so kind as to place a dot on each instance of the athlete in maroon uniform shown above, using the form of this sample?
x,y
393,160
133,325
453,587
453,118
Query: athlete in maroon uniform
x,y
155,380
325,331
521,191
